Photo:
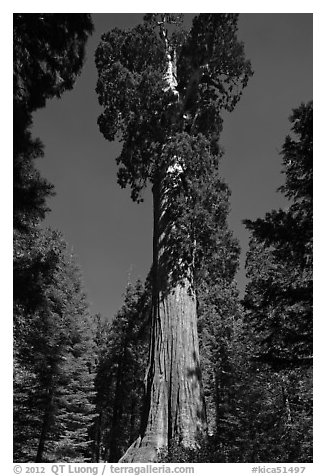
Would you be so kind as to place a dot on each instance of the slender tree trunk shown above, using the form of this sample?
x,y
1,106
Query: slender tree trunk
x,y
45,426
218,399
114,447
174,398
132,420
96,453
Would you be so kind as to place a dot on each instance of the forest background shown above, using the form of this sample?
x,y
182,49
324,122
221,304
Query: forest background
x,y
66,172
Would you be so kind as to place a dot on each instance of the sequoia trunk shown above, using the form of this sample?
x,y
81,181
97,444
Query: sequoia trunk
x,y
174,406
174,399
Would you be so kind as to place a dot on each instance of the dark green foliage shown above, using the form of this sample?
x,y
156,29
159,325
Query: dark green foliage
x,y
52,342
123,353
218,314
278,304
30,190
26,418
48,56
53,357
262,416
49,50
76,410
131,67
212,70
297,155
53,354
279,294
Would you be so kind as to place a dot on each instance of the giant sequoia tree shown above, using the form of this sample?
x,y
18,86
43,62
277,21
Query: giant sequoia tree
x,y
163,90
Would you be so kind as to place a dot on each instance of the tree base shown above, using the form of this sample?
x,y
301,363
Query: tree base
x,y
141,451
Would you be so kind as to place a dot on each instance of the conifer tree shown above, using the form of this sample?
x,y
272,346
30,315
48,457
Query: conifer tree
x,y
49,52
52,349
163,90
279,294
278,300
48,56
119,381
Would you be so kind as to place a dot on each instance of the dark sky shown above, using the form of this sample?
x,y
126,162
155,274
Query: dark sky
x,y
110,234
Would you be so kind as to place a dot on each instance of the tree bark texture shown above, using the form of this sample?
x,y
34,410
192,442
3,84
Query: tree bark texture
x,y
174,405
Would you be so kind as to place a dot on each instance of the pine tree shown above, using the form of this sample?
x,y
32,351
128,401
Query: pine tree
x,y
163,92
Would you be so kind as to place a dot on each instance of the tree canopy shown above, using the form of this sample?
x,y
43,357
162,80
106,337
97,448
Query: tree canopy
x,y
211,71
279,294
46,63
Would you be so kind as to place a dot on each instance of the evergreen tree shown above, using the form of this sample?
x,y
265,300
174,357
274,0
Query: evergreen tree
x,y
279,294
76,396
120,375
163,92
52,349
278,300
48,56
49,53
